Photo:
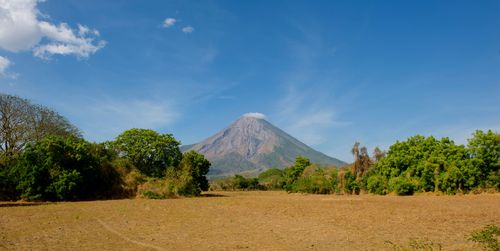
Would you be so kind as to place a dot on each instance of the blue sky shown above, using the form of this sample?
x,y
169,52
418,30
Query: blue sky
x,y
328,72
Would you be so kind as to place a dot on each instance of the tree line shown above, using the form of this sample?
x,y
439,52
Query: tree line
x,y
418,164
44,157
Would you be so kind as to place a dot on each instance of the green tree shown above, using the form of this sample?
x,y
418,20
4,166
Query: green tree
x,y
152,153
292,173
57,168
484,149
191,174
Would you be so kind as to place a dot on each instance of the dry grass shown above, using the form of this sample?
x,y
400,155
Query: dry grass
x,y
249,220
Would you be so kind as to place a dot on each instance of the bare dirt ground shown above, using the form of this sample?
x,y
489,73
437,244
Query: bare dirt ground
x,y
248,220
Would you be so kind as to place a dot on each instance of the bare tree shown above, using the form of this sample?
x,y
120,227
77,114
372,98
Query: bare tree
x,y
378,154
362,161
22,122
355,153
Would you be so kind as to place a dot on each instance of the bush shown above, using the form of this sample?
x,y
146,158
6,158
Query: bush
x,y
271,179
155,188
401,186
351,185
376,184
57,168
65,185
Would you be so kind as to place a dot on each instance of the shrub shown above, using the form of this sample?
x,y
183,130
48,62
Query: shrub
x,y
401,186
271,179
351,185
155,188
376,184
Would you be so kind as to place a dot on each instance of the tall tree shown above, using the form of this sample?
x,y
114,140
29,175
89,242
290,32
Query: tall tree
x,y
192,171
22,122
378,154
355,153
152,153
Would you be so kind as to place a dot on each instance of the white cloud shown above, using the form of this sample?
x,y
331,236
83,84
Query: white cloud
x,y
188,29
256,115
169,22
21,29
4,64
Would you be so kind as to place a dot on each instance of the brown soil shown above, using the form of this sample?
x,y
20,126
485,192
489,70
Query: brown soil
x,y
250,220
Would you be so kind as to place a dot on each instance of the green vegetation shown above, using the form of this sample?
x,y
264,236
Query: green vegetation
x,y
416,244
148,150
419,164
423,164
487,237
43,157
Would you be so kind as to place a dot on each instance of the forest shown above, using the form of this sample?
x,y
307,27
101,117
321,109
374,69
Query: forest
x,y
44,157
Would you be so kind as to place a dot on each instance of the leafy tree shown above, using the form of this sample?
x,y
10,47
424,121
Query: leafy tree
x,y
484,149
152,153
292,173
427,164
57,168
189,177
351,185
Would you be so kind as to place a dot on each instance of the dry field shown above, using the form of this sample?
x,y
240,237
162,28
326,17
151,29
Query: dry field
x,y
249,220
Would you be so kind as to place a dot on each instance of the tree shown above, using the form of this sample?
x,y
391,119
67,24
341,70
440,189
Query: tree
x,y
378,154
190,175
152,153
484,149
57,168
362,161
22,122
292,173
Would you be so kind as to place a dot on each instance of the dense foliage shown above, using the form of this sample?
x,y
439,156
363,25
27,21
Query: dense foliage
x,y
148,150
426,164
57,168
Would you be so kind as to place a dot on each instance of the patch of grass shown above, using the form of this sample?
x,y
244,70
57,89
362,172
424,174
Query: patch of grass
x,y
487,237
416,244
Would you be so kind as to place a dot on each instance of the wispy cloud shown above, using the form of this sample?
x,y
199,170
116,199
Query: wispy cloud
x,y
169,22
188,29
4,64
111,116
21,29
309,107
306,119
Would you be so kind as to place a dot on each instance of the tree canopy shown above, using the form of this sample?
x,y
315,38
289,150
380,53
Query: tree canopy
x,y
148,150
22,122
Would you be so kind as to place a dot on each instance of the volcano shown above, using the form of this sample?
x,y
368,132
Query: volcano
x,y
251,144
